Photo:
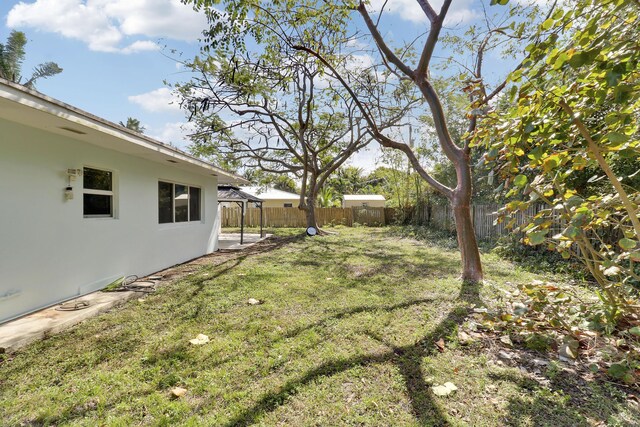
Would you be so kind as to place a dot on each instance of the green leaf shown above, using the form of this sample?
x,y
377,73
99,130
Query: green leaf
x,y
578,60
520,181
572,232
537,237
551,162
627,244
617,137
635,331
635,256
613,77
618,370
529,127
547,24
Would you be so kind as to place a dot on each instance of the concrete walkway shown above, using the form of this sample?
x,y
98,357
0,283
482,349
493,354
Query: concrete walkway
x,y
35,326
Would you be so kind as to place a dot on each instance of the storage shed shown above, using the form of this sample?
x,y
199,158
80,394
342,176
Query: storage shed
x,y
363,200
273,198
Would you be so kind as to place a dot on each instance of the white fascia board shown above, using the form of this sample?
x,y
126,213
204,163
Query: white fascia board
x,y
34,109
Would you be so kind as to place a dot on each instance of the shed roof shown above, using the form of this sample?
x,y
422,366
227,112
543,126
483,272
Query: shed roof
x,y
359,197
230,193
30,108
270,193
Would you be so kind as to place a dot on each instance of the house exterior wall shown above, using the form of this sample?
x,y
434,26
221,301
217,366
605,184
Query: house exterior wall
x,y
49,252
360,203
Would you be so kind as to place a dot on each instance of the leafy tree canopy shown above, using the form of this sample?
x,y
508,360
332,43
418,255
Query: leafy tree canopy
x,y
575,112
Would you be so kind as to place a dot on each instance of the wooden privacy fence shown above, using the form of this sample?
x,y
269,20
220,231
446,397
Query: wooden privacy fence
x,y
484,218
293,217
438,216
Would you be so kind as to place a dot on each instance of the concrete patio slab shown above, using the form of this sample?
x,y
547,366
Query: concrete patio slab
x,y
231,241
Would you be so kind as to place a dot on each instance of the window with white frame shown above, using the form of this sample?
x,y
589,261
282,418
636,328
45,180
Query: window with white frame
x,y
178,202
97,197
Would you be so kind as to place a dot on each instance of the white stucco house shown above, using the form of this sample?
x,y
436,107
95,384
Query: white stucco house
x,y
86,201
272,198
363,200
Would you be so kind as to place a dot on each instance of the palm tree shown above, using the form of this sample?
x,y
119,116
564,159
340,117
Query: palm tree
x,y
326,197
134,125
12,56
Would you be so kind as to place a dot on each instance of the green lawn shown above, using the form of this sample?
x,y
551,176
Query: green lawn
x,y
345,336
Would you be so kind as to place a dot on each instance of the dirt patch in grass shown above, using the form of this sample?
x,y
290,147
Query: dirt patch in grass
x,y
353,329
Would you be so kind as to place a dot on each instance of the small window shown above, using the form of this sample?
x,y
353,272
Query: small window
x,y
178,203
97,193
365,204
194,204
165,202
288,205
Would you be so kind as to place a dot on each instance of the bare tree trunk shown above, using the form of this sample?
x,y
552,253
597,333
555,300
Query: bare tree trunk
x,y
471,264
465,231
311,213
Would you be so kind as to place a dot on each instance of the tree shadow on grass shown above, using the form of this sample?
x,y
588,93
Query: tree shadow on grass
x,y
351,256
232,262
353,311
407,359
568,400
82,410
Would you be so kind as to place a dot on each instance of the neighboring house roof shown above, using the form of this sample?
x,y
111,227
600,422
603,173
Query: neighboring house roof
x,y
230,193
363,197
270,193
34,109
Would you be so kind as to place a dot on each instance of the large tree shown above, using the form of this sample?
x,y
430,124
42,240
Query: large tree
x,y
12,55
245,20
274,109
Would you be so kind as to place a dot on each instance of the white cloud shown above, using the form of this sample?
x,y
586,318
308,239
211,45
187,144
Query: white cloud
x,y
140,45
109,25
359,62
367,158
175,133
410,10
158,100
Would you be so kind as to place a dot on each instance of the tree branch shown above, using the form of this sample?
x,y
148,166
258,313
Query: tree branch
x,y
432,40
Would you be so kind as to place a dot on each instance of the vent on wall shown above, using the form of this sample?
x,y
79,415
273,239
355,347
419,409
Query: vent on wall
x,y
171,161
76,131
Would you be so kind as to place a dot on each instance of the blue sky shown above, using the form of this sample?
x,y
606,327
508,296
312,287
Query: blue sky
x,y
114,53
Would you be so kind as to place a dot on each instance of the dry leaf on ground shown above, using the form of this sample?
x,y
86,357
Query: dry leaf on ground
x,y
444,389
199,340
178,391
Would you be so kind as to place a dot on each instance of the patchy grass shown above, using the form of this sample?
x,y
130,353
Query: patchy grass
x,y
346,336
